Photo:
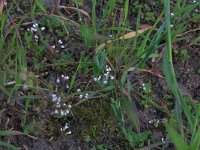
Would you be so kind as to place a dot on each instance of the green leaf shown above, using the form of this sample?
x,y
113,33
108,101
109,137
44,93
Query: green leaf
x,y
195,143
11,147
40,6
176,138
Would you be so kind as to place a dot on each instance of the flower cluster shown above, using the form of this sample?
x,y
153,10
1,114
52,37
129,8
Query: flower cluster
x,y
57,100
63,78
86,96
66,127
34,29
63,112
104,79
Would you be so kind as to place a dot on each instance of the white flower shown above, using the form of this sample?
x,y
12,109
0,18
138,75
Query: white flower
x,y
69,106
36,37
28,29
67,86
70,132
108,69
112,77
151,121
60,41
80,96
62,46
106,74
99,78
78,90
62,113
56,111
194,1
53,46
58,105
66,112
43,28
86,95
66,78
58,80
95,79
172,14
33,29
35,25
171,25
105,82
66,126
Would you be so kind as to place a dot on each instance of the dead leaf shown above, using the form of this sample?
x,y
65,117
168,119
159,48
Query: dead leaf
x,y
124,37
1,7
132,34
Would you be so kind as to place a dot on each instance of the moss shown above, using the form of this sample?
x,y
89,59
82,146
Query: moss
x,y
96,116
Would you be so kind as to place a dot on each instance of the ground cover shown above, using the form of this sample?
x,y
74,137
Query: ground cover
x,y
99,75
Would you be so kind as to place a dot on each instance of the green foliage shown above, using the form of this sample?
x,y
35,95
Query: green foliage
x,y
99,62
184,54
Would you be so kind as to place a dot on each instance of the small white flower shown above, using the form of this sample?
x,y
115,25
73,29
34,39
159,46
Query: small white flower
x,y
105,82
150,121
66,126
62,113
66,78
163,140
86,95
36,37
69,132
62,76
78,90
35,25
60,41
171,25
58,99
99,78
144,88
43,28
28,29
106,74
53,46
95,79
172,14
58,80
80,96
69,106
56,111
62,46
194,1
58,105
108,69
67,86
66,112
33,29
112,77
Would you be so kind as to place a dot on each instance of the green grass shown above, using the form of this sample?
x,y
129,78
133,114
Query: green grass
x,y
88,50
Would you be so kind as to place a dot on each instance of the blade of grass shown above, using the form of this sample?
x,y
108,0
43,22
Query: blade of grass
x,y
9,146
176,138
170,76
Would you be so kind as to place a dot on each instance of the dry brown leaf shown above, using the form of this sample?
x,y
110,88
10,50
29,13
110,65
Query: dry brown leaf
x,y
1,7
124,37
132,34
